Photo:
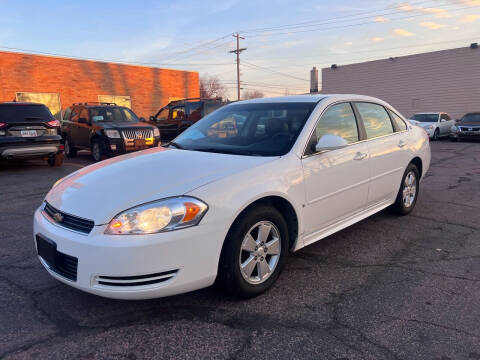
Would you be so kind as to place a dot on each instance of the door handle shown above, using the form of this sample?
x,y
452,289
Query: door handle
x,y
401,143
360,156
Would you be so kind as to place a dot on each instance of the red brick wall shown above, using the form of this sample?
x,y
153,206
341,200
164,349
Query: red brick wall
x,y
83,80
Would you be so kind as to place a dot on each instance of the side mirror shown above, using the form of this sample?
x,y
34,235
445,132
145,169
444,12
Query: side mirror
x,y
82,121
152,118
330,142
443,120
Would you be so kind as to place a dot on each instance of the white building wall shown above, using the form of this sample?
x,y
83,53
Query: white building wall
x,y
447,80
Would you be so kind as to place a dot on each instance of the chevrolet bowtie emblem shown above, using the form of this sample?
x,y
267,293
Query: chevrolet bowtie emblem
x,y
58,217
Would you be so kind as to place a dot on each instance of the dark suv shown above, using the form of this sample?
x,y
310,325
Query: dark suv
x,y
106,130
29,130
178,115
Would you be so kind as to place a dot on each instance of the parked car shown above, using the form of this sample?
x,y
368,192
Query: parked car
x,y
178,115
436,124
28,131
295,170
106,130
467,128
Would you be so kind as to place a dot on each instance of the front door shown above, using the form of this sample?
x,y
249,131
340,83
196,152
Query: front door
x,y
336,181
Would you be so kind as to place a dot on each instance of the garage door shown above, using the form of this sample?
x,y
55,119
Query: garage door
x,y
51,100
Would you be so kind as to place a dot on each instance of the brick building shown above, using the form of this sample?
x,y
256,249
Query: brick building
x,y
446,80
60,82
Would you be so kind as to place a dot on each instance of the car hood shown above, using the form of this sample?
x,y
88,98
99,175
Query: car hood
x,y
421,124
102,190
123,125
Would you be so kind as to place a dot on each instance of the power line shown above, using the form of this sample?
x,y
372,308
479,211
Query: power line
x,y
273,71
332,18
352,25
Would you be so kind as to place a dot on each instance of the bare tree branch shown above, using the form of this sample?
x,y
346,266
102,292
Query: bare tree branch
x,y
211,87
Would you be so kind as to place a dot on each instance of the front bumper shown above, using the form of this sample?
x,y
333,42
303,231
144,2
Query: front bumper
x,y
120,146
189,257
465,135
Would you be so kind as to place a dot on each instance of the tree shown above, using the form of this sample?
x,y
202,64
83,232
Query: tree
x,y
211,87
252,94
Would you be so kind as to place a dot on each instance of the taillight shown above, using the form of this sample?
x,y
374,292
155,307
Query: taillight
x,y
2,124
54,123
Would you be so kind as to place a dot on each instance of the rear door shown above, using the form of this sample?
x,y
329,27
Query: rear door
x,y
387,147
336,181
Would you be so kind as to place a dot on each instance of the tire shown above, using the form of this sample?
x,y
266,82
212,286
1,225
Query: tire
x,y
231,277
97,150
403,206
55,160
436,134
70,152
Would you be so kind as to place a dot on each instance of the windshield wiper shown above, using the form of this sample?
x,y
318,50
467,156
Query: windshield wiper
x,y
220,151
174,144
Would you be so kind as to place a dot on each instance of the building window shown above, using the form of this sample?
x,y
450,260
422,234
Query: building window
x,y
120,100
50,100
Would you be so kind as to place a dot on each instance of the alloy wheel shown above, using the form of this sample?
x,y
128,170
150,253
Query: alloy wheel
x,y
260,252
409,189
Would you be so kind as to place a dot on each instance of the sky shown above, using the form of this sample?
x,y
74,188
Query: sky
x,y
284,39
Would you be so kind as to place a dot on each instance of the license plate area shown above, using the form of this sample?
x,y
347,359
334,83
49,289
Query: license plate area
x,y
139,142
47,250
28,133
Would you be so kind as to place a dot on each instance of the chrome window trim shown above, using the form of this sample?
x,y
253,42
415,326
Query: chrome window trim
x,y
304,156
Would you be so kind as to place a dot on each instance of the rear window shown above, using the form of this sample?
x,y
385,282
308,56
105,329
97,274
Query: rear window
x,y
10,113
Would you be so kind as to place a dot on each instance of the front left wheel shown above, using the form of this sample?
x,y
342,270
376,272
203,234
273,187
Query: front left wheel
x,y
254,252
97,150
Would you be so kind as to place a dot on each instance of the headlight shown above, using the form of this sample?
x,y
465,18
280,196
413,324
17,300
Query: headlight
x,y
158,216
114,134
156,132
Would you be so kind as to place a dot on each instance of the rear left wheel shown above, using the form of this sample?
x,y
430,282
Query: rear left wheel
x,y
254,252
407,195
55,160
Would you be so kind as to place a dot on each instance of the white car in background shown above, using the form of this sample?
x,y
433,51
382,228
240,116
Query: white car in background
x,y
436,124
229,203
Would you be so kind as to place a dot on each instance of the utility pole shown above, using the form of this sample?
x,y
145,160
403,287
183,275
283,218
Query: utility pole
x,y
238,51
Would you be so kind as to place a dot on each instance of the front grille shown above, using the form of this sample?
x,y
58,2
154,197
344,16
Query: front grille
x,y
137,280
131,134
69,221
466,128
60,263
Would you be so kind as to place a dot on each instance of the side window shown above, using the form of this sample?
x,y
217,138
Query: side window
x,y
339,120
401,126
445,117
66,114
74,115
375,118
178,113
84,114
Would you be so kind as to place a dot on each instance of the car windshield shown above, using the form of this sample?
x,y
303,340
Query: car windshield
x,y
10,113
259,129
112,114
471,117
425,117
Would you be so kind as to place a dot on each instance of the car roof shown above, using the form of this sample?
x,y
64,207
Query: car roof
x,y
472,113
312,98
430,112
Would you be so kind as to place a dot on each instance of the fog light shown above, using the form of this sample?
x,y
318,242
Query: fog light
x,y
113,147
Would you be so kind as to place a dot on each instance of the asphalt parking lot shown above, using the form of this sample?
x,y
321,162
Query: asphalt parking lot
x,y
385,288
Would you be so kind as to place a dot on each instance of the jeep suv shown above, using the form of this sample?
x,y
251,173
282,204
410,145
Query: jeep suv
x,y
106,130
29,130
178,115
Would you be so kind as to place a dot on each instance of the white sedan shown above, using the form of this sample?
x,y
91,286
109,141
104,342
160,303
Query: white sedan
x,y
230,197
436,124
